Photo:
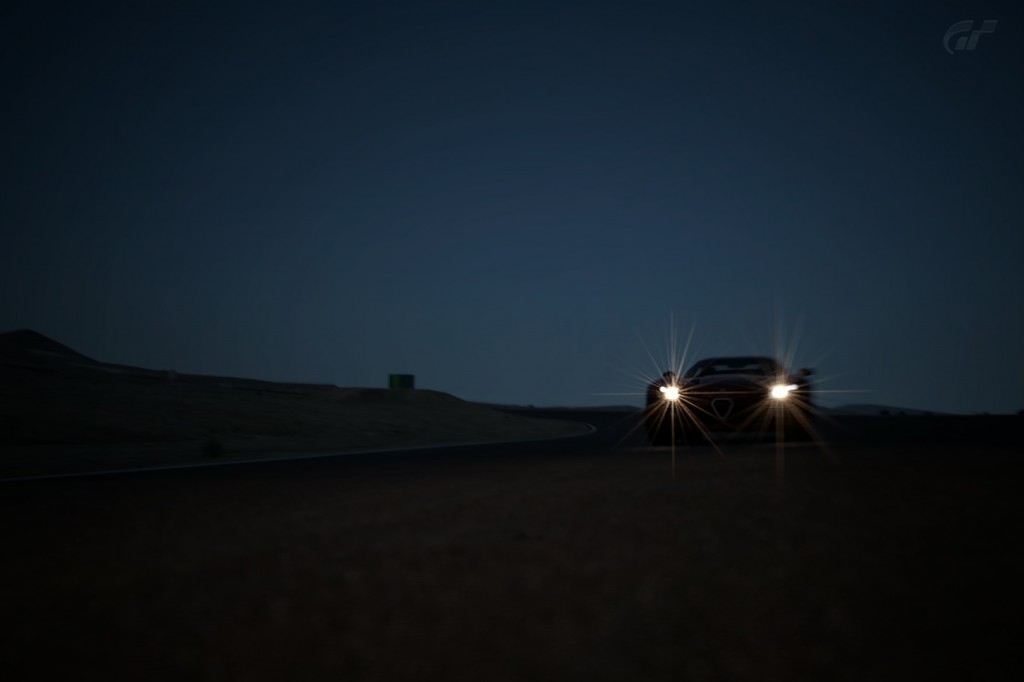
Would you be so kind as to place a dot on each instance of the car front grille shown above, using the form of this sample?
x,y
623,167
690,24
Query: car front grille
x,y
722,407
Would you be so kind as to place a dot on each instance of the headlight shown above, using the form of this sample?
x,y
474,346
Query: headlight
x,y
670,392
781,391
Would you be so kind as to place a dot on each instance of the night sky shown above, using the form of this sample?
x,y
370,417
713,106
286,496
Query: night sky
x,y
515,201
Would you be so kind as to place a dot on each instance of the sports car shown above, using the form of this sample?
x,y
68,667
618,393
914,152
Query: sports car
x,y
730,394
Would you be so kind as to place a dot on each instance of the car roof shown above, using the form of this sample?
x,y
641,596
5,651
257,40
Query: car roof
x,y
736,361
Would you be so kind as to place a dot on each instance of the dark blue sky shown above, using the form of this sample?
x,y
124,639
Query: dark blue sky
x,y
509,200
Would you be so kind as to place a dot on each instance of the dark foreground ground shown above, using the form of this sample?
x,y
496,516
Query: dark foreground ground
x,y
884,556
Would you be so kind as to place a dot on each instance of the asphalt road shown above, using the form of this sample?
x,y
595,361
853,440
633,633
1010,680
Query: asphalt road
x,y
889,554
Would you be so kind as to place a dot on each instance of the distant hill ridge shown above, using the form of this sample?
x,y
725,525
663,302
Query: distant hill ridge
x,y
29,342
29,349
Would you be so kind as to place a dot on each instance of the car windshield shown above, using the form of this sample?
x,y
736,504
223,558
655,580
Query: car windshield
x,y
716,366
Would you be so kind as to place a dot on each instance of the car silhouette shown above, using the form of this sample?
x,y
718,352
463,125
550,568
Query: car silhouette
x,y
730,394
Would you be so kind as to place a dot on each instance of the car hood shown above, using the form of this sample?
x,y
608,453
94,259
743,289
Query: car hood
x,y
730,382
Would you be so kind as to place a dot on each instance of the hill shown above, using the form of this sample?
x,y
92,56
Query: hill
x,y
63,411
26,345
